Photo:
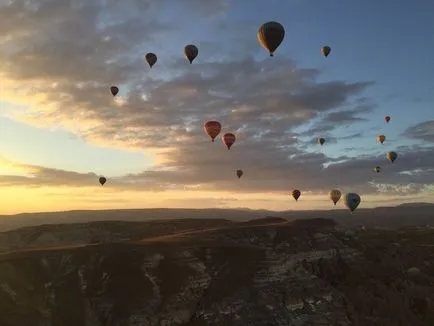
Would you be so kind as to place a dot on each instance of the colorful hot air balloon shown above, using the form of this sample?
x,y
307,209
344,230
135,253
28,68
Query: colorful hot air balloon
x,y
240,173
270,36
296,194
229,139
387,118
212,128
381,138
391,156
114,90
191,52
321,141
351,201
102,180
151,59
377,169
335,195
325,50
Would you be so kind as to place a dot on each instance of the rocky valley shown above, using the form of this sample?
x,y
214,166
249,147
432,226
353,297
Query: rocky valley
x,y
216,272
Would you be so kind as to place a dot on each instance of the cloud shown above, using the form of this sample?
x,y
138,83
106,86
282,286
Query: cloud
x,y
33,175
60,58
423,131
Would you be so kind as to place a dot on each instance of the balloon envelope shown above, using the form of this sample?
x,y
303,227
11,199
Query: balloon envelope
x,y
351,201
391,156
229,139
321,141
335,195
191,51
239,173
325,50
381,138
102,180
151,59
212,128
296,194
270,36
114,90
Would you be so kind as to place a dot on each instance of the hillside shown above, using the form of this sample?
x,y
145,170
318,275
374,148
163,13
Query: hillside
x,y
216,272
412,214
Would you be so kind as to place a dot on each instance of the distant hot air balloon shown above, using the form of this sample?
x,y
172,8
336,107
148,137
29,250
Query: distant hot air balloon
x,y
270,36
335,195
102,180
377,169
240,173
229,139
351,201
212,128
151,59
191,52
387,118
296,194
321,141
325,50
114,90
381,138
391,156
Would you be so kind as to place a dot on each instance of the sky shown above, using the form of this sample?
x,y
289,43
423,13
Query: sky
x,y
61,129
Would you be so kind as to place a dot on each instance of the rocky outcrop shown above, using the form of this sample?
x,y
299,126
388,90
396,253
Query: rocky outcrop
x,y
246,274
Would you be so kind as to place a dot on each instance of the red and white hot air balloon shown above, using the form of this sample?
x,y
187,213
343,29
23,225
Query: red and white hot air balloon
x,y
212,128
229,139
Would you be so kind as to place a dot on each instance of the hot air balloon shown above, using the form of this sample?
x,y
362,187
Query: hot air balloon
x,y
377,169
239,173
296,194
191,52
229,139
270,36
351,201
387,118
102,180
391,156
335,195
114,90
321,141
151,59
381,138
212,128
325,50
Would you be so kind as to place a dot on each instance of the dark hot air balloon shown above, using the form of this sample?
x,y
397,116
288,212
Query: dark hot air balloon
x,y
296,194
351,201
240,173
270,36
102,180
191,52
114,90
151,59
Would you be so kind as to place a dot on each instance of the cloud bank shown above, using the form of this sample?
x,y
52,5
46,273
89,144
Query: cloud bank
x,y
59,58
